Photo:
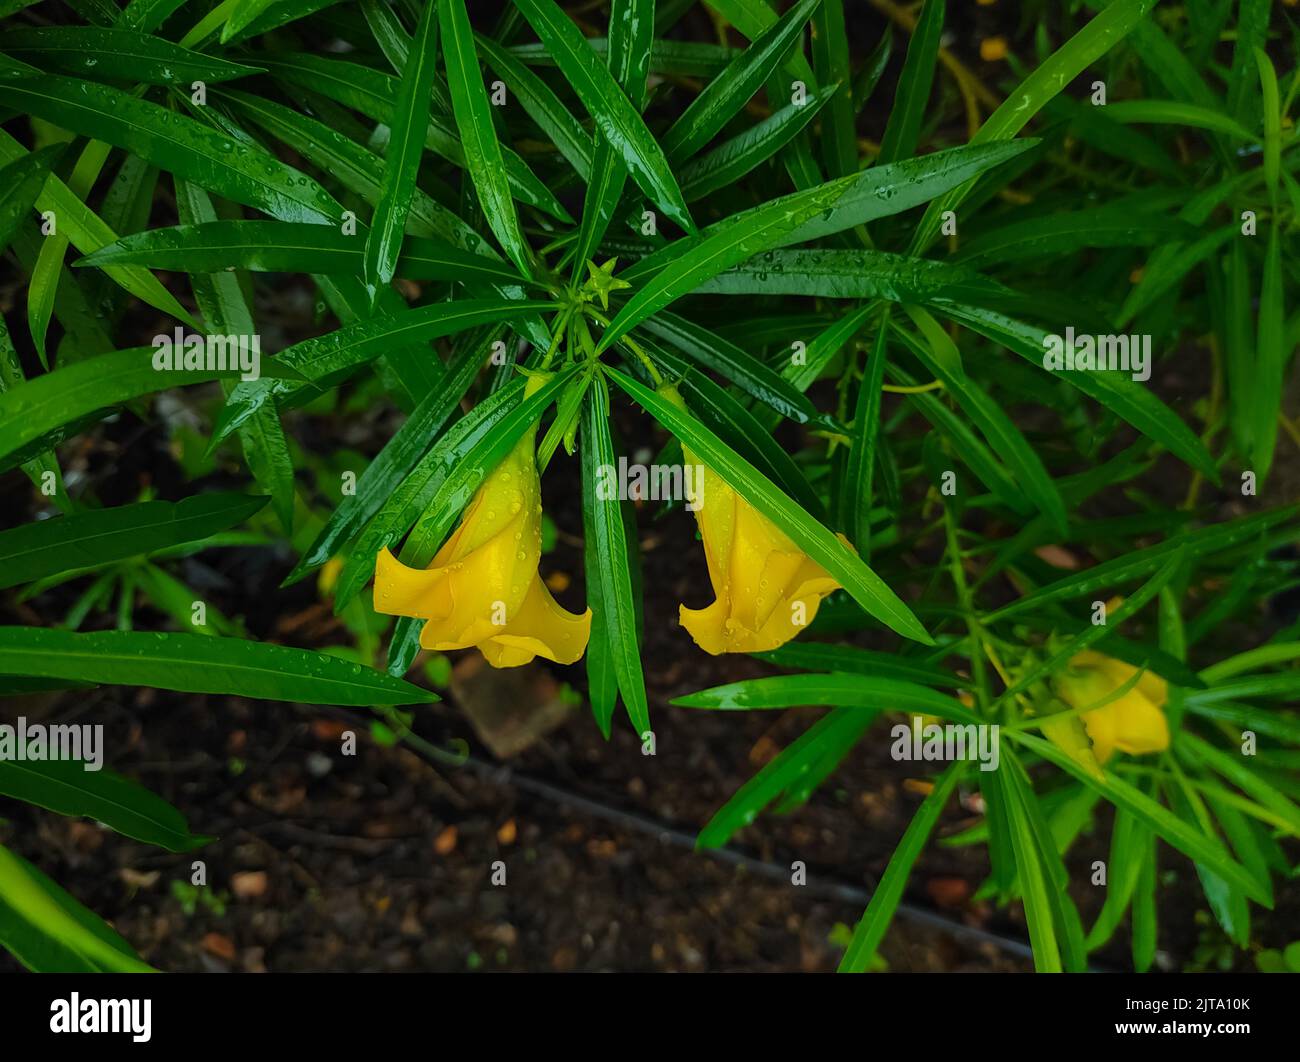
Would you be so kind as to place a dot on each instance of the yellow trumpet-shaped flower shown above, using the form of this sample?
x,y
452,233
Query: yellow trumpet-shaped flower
x,y
767,589
1133,723
482,588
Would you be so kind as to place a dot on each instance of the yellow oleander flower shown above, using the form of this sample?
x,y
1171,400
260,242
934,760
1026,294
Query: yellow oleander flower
x,y
767,588
482,589
1134,723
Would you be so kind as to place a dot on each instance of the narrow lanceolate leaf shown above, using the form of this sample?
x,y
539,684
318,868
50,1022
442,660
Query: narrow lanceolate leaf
x,y
221,298
1181,835
834,69
196,663
731,160
841,691
59,399
850,275
542,105
243,13
1065,64
374,94
119,55
830,738
863,585
390,467
175,143
862,453
21,182
358,170
619,122
724,245
914,84
997,427
365,340
1143,562
737,366
49,931
727,93
631,38
67,787
98,536
405,143
291,247
883,191
607,540
86,231
875,921
1126,398
473,112
1270,364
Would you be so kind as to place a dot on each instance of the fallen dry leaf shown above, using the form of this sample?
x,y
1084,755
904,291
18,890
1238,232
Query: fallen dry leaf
x,y
248,884
220,946
445,842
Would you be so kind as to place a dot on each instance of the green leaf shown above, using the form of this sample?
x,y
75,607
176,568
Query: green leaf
x,y
86,231
1028,98
618,121
830,737
1270,363
914,84
870,931
21,182
863,585
402,162
48,931
840,691
357,169
242,14
95,537
724,245
1175,112
362,341
469,101
195,663
998,428
883,191
291,247
1189,840
820,656
175,143
832,64
1123,396
849,275
736,366
609,558
374,94
861,459
67,787
541,104
731,160
1143,562
119,55
60,399
631,39
727,93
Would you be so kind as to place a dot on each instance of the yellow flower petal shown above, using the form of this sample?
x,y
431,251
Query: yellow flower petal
x,y
482,589
767,589
1133,723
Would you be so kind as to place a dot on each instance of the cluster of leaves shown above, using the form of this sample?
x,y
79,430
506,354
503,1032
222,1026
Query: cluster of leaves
x,y
758,249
